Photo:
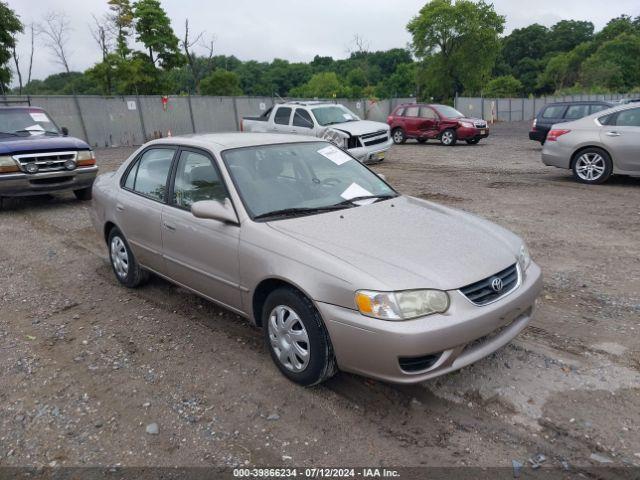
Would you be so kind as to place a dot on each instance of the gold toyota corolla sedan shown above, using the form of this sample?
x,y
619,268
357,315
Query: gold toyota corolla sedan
x,y
338,269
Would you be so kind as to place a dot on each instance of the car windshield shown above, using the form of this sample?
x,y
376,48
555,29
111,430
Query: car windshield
x,y
448,112
25,122
332,114
284,180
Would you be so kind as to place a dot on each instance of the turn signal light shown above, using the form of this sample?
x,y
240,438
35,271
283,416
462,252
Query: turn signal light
x,y
554,134
8,165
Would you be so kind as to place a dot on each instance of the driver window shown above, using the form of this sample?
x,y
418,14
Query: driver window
x,y
196,179
301,118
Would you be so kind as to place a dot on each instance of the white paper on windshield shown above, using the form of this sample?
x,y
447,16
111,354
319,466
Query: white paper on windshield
x,y
35,129
354,191
347,116
39,117
334,154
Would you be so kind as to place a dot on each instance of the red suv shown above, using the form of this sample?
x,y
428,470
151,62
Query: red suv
x,y
441,122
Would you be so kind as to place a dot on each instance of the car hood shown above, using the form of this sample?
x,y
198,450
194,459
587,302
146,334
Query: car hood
x,y
34,143
408,243
360,127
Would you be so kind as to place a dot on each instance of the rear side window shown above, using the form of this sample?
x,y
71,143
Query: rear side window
x,y
554,111
400,112
629,118
597,108
149,175
429,114
576,111
282,116
301,118
412,112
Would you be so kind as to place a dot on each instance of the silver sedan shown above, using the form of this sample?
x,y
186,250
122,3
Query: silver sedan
x,y
338,269
597,146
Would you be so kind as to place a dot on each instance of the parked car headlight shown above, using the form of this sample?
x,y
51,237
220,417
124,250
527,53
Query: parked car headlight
x,y
403,305
8,164
85,158
524,258
467,124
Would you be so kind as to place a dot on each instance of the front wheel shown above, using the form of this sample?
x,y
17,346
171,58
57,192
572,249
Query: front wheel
x,y
296,338
448,137
473,141
123,261
592,166
399,136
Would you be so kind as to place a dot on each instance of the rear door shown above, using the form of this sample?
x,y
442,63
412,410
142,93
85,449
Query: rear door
x,y
622,139
412,121
282,119
140,201
575,112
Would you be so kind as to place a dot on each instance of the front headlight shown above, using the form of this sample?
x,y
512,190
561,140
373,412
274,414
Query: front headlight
x,y
524,258
85,158
8,164
467,124
403,305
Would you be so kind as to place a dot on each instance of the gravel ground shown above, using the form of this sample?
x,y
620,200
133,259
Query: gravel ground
x,y
93,374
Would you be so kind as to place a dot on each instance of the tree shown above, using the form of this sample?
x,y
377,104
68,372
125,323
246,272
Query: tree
x,y
527,42
401,83
221,82
122,20
568,34
153,29
459,41
102,36
617,26
56,28
10,26
506,86
615,65
321,85
197,68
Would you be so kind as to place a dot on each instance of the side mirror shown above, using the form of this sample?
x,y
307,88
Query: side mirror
x,y
65,131
215,210
382,176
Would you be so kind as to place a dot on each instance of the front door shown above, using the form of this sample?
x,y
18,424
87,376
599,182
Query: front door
x,y
623,140
201,254
301,122
429,122
139,205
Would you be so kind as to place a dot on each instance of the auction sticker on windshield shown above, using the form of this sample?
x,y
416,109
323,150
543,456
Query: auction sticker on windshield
x,y
354,191
39,117
334,154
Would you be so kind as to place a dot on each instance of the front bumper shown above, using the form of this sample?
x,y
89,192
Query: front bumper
x,y
372,154
463,335
24,184
466,133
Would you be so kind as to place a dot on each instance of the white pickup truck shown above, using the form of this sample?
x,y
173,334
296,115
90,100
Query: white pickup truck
x,y
366,140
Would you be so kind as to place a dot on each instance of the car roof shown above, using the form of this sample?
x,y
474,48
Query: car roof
x,y
579,102
225,141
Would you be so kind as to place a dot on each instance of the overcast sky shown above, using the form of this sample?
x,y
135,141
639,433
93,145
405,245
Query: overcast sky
x,y
293,29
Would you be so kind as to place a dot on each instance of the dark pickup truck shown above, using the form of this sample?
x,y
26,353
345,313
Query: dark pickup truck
x,y
37,157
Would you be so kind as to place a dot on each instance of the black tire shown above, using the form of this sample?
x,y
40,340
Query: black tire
x,y
321,364
84,194
448,138
135,276
421,140
602,166
473,141
398,135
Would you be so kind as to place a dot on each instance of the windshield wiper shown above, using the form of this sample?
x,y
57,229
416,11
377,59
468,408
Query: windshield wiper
x,y
379,198
45,132
292,212
10,133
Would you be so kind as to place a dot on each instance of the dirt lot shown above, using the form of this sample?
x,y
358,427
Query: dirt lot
x,y
87,366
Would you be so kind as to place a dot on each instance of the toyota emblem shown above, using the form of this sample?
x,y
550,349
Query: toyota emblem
x,y
496,285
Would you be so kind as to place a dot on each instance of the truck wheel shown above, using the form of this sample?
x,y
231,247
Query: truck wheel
x,y
448,138
123,261
84,194
399,136
296,338
592,166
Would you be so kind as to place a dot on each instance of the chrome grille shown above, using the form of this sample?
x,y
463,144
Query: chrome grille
x,y
480,124
483,293
374,138
47,161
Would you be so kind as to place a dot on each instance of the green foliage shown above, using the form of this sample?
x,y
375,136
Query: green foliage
x,y
568,34
10,25
506,86
122,18
321,85
154,31
459,43
615,65
221,82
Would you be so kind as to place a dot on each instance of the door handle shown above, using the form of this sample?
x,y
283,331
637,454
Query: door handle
x,y
168,226
119,208
613,134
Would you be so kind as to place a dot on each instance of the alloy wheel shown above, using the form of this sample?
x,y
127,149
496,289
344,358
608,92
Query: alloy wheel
x,y
590,166
398,136
119,257
289,338
447,137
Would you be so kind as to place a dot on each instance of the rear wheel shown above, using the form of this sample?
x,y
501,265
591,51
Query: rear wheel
x,y
592,166
399,136
296,338
473,141
83,194
448,138
123,261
